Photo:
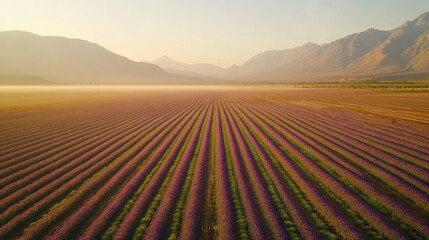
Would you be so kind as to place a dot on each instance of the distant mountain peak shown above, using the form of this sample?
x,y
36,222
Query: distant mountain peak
x,y
201,69
422,19
371,30
164,58
310,44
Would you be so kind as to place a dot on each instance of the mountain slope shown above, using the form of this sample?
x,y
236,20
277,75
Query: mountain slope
x,y
418,53
71,61
404,50
311,58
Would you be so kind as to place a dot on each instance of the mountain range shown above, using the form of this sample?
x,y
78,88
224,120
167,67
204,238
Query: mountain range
x,y
373,54
73,61
401,52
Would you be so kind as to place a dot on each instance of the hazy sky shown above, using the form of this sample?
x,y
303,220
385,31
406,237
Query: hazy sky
x,y
223,32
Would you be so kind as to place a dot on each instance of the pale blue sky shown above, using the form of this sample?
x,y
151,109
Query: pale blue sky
x,y
222,32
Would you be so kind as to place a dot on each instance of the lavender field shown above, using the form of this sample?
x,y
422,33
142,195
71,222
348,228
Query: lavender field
x,y
224,163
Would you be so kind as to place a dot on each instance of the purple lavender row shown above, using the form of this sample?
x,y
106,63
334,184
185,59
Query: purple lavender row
x,y
223,199
362,185
254,222
68,167
381,167
46,181
192,211
259,187
22,153
40,200
321,203
375,219
36,134
23,157
131,220
87,207
100,223
23,160
91,120
108,164
77,176
416,158
294,208
366,152
366,125
39,142
53,162
173,189
408,146
68,148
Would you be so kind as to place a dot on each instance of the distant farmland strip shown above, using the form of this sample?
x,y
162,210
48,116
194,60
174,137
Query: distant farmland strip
x,y
221,163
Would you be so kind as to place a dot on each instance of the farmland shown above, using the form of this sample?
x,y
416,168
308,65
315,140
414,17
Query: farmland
x,y
213,162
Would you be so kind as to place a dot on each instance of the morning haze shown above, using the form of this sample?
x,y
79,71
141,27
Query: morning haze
x,y
222,119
